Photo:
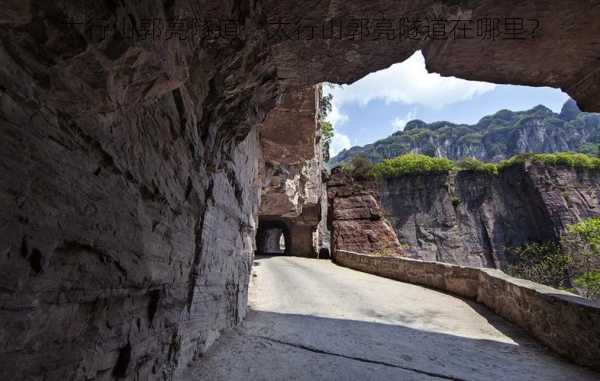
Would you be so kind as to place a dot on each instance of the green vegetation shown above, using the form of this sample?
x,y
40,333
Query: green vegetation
x,y
325,107
472,138
470,164
574,264
589,283
412,163
567,159
581,243
543,263
328,133
592,149
456,202
360,168
415,163
587,231
493,138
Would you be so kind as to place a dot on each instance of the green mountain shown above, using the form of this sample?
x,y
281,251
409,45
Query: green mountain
x,y
494,138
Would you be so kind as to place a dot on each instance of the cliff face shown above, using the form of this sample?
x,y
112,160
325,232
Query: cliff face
x,y
471,218
356,220
129,193
494,138
293,190
121,252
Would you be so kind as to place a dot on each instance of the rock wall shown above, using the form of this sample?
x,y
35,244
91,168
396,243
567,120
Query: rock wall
x,y
121,255
471,218
565,322
293,190
356,219
129,193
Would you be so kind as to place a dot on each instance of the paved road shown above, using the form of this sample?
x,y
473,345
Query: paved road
x,y
313,320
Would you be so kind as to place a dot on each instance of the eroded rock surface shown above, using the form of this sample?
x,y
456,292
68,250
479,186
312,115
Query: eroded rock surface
x,y
129,193
129,185
293,191
356,219
473,218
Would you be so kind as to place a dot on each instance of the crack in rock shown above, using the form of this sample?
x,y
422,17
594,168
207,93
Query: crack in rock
x,y
320,351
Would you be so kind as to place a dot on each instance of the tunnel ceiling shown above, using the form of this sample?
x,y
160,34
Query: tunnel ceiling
x,y
558,47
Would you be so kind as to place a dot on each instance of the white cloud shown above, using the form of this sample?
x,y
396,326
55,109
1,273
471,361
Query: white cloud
x,y
339,143
398,123
335,116
410,83
407,82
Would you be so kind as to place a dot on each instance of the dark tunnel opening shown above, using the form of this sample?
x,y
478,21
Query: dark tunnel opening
x,y
273,238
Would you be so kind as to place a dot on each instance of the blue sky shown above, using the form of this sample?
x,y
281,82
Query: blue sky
x,y
383,102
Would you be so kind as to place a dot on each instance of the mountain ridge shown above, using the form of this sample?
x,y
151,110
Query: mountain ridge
x,y
493,138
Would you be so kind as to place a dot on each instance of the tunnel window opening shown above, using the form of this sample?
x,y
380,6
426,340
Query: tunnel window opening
x,y
273,238
281,243
400,102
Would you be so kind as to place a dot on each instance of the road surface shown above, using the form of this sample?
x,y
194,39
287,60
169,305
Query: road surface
x,y
310,319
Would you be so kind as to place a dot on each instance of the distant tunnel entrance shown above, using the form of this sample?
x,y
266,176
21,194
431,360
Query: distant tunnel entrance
x,y
273,238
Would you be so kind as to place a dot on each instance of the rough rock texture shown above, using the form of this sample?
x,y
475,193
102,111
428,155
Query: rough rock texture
x,y
494,138
290,140
128,195
559,52
355,218
129,192
472,218
293,190
567,323
118,257
288,135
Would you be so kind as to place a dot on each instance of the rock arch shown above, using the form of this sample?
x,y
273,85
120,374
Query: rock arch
x,y
133,164
268,238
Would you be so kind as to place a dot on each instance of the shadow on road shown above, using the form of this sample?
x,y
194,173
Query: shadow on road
x,y
275,346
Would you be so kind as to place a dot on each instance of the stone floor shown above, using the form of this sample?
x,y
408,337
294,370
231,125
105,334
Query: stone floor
x,y
313,320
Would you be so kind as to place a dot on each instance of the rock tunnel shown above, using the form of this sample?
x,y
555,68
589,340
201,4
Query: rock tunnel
x,y
293,194
273,238
133,164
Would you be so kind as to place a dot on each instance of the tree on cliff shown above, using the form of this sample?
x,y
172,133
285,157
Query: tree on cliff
x,y
327,131
581,243
325,107
574,264
360,168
